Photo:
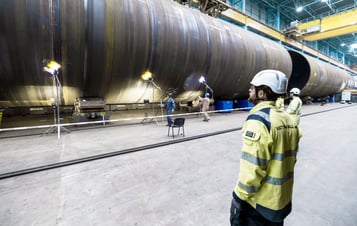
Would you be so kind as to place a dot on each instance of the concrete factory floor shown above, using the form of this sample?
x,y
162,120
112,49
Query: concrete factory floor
x,y
178,184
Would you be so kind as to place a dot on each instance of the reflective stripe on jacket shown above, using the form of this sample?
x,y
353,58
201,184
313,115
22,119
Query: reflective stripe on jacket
x,y
270,145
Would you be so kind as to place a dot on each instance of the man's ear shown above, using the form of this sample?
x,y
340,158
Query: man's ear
x,y
261,94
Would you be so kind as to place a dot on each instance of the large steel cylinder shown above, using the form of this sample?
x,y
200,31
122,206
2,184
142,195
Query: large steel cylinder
x,y
104,47
316,78
26,38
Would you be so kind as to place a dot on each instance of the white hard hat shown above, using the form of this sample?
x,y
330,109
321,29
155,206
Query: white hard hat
x,y
295,91
275,80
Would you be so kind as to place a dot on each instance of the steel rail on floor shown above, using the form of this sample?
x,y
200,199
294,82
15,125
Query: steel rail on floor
x,y
110,154
126,151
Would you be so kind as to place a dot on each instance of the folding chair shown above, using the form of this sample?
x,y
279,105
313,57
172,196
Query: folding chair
x,y
178,123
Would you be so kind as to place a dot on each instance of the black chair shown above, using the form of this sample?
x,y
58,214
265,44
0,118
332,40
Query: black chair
x,y
178,123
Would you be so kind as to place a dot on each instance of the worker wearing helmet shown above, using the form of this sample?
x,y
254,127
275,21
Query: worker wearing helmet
x,y
295,104
205,102
170,108
263,193
279,103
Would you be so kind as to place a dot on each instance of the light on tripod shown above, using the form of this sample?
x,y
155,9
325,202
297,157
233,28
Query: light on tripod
x,y
52,67
147,76
202,80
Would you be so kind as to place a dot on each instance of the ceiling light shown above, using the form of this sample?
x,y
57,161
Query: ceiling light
x,y
299,9
353,46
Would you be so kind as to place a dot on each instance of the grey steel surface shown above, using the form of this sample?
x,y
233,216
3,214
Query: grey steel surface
x,y
104,47
317,78
186,183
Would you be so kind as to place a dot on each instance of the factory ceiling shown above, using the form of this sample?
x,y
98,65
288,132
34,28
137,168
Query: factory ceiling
x,y
310,10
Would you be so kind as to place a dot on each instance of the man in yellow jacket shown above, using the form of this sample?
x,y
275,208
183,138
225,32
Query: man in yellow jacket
x,y
295,105
263,193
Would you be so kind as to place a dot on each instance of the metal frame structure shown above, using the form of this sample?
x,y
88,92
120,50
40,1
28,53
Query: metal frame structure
x,y
279,14
52,68
149,77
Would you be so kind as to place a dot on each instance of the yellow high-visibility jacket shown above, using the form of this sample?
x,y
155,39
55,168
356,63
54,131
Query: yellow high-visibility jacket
x,y
270,145
279,103
294,108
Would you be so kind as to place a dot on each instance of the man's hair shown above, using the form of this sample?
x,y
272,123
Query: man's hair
x,y
269,93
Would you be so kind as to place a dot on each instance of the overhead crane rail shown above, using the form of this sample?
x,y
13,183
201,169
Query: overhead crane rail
x,y
328,27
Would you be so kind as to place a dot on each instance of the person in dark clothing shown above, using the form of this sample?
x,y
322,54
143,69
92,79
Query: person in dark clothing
x,y
170,107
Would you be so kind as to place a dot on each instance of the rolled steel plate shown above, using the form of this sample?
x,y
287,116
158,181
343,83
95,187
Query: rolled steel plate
x,y
177,44
105,46
25,40
316,78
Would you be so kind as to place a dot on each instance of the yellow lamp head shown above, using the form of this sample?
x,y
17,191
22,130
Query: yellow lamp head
x,y
146,76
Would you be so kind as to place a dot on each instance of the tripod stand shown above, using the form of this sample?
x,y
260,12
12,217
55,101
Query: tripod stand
x,y
56,128
153,115
52,68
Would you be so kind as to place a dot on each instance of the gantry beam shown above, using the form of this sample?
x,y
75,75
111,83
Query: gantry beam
x,y
235,15
271,32
328,27
252,23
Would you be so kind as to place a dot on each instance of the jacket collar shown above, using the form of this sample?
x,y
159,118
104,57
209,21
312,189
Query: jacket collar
x,y
261,105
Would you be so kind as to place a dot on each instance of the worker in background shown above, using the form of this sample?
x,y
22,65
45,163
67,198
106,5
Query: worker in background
x,y
307,100
324,100
279,103
170,107
295,105
263,193
205,102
